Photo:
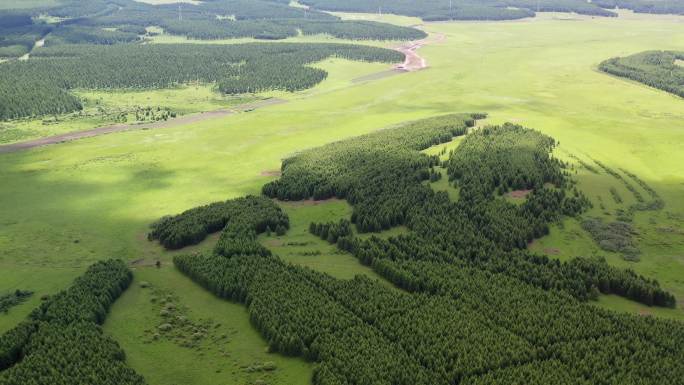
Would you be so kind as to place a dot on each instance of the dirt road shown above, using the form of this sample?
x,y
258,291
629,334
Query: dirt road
x,y
413,61
186,119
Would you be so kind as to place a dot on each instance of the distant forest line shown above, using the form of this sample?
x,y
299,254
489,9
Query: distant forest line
x,y
658,69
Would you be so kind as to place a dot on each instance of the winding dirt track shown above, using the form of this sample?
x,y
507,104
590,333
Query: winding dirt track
x,y
413,61
186,119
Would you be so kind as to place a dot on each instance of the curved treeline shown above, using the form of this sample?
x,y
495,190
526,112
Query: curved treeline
x,y
473,312
218,19
61,342
380,174
241,216
40,86
298,318
458,325
658,69
645,6
10,300
18,33
92,35
437,10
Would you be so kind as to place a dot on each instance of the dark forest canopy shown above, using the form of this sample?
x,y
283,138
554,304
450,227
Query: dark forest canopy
x,y
61,342
473,310
495,9
659,69
380,175
645,6
434,10
87,22
41,85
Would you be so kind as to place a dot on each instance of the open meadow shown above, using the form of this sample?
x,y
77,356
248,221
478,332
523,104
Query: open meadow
x,y
65,206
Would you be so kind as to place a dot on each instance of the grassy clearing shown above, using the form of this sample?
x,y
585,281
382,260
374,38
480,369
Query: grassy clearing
x,y
444,185
660,236
102,108
226,355
104,191
300,247
616,303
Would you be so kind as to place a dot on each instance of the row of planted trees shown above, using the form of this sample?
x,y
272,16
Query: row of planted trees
x,y
477,307
41,85
61,342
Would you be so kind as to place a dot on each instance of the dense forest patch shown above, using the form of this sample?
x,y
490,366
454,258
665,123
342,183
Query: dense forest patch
x,y
477,307
645,6
191,227
61,342
41,85
9,300
126,20
436,10
18,33
658,69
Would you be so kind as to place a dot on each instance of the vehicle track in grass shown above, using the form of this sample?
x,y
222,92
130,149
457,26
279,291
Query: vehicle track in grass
x,y
185,119
412,61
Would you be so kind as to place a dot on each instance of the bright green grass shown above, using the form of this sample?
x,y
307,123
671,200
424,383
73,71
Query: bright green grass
x,y
444,149
102,108
660,235
300,247
444,185
164,362
104,191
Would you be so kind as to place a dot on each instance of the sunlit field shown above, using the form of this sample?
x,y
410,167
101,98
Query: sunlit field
x,y
65,206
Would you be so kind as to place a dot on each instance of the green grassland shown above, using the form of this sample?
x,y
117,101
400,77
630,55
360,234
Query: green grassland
x,y
103,108
300,247
66,205
228,354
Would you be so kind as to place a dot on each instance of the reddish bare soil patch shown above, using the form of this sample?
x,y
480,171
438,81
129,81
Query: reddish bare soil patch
x,y
413,61
271,173
645,312
518,194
